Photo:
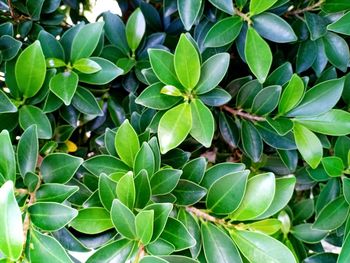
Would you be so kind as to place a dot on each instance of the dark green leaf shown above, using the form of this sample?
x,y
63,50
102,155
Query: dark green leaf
x,y
29,115
188,11
164,181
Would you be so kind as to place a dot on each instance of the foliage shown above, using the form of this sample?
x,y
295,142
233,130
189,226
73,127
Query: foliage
x,y
183,131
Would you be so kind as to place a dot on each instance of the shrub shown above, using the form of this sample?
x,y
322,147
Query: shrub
x,y
183,131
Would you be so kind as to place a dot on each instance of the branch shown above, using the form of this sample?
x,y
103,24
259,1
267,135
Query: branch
x,y
243,114
26,223
306,9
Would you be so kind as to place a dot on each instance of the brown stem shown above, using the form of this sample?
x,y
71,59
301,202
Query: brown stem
x,y
243,114
244,16
306,9
10,8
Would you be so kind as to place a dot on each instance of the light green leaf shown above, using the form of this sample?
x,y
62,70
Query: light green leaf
x,y
203,124
135,29
123,219
126,190
127,143
258,6
30,70
64,85
174,126
308,145
291,95
258,197
333,166
257,247
187,63
7,157
258,55
11,227
87,66
144,160
144,226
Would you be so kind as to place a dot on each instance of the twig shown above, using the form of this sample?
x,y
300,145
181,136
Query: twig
x,y
204,215
26,223
243,114
244,16
306,9
10,8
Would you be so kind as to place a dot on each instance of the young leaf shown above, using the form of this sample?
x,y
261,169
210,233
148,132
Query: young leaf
x,y
188,11
126,190
257,6
123,219
87,66
7,160
144,160
308,145
203,125
258,55
174,126
27,151
144,226
127,143
64,85
30,70
291,95
135,29
218,247
187,63
11,227
86,40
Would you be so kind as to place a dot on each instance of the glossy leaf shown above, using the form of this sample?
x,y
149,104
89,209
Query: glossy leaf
x,y
64,85
341,25
291,95
188,11
29,115
123,219
27,151
144,226
257,7
135,29
266,100
7,160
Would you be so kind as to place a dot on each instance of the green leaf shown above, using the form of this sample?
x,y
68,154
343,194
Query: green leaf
x,y
333,165
251,141
176,233
126,190
187,63
161,214
152,97
213,71
188,193
334,122
126,64
85,102
307,234
30,70
64,85
55,192
9,47
333,215
135,29
27,151
226,193
306,56
291,95
92,220
224,5
116,251
319,99
257,247
108,72
257,6
55,63
258,197
6,106
223,32
106,164
335,6
337,51
123,219
7,160
188,11
316,25
257,54
87,66
46,248
127,143
86,40
341,25
144,226
203,124
194,170
162,63
266,100
308,145
29,115
283,193
142,189
218,247
273,28
107,191
11,230
144,160
51,216
164,181
344,255
174,126
59,167
346,189
268,226
50,45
